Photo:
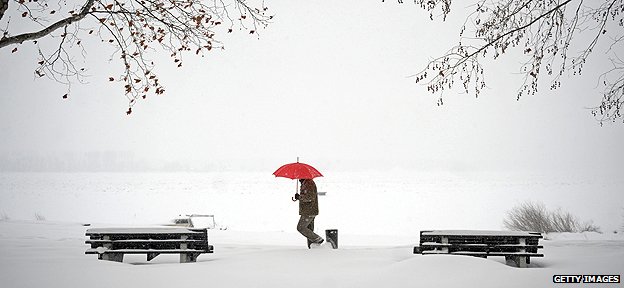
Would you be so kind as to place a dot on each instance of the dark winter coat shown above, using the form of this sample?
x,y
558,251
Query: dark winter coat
x,y
308,200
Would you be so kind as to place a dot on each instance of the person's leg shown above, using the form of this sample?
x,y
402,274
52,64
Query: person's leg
x,y
305,223
311,225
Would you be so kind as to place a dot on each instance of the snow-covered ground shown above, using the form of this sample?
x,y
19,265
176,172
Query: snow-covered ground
x,y
378,216
50,254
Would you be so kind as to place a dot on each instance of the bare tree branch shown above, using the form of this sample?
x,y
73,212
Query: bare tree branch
x,y
546,31
508,33
18,39
134,29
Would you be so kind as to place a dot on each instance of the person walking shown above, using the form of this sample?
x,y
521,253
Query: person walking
x,y
308,210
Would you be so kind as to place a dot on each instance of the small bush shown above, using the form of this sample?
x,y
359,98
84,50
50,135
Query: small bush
x,y
528,216
39,217
4,216
563,221
589,227
531,216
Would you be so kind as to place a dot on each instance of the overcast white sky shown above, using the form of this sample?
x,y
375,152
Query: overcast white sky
x,y
325,82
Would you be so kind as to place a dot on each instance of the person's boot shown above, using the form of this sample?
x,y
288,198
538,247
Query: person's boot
x,y
316,243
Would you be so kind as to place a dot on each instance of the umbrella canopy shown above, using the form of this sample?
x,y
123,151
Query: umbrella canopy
x,y
297,171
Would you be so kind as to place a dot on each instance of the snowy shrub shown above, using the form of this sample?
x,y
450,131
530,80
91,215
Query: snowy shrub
x,y
563,221
589,227
4,216
39,217
528,216
531,216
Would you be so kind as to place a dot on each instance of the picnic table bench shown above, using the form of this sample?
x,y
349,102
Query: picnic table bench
x,y
113,243
517,247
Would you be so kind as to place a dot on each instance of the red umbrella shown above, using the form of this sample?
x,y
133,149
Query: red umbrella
x,y
297,170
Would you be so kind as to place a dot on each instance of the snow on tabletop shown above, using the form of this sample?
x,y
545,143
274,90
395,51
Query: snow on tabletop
x,y
477,233
142,251
141,230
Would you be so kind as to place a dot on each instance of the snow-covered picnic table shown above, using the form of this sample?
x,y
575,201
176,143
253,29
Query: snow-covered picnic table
x,y
516,246
112,243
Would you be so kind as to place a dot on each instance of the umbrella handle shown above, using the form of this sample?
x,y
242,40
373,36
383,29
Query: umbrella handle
x,y
293,199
